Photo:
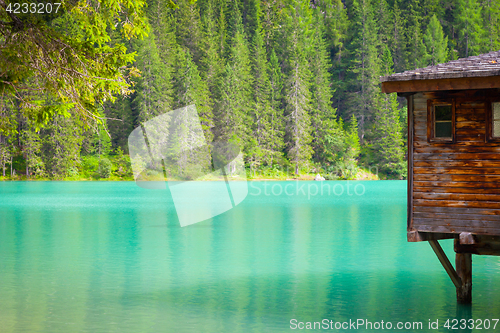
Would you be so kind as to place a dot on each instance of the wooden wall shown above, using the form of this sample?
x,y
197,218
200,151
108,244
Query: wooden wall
x,y
454,187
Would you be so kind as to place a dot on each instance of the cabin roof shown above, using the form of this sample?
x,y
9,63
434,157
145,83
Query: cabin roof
x,y
487,64
476,72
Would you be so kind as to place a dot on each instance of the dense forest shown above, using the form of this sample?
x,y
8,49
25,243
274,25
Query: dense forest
x,y
295,83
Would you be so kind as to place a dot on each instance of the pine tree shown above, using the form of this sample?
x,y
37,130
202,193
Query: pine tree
x,y
261,143
154,86
436,43
492,24
398,47
298,95
387,142
191,89
277,128
31,143
336,26
415,49
232,110
62,139
327,135
212,63
364,65
471,32
188,28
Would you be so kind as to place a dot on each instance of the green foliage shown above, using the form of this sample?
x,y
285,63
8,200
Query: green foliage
x,y
122,164
436,43
104,169
276,77
88,69
470,26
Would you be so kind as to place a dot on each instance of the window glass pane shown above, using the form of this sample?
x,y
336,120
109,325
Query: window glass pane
x,y
442,112
496,128
443,129
496,111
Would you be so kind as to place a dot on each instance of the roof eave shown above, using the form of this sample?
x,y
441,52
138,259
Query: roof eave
x,y
437,84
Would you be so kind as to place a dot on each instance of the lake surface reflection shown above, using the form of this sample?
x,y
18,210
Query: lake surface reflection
x,y
111,257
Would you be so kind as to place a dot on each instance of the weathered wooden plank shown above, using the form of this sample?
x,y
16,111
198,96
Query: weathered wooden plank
x,y
478,225
420,114
459,163
456,171
456,156
444,149
458,217
469,145
460,138
449,185
461,125
487,82
461,104
455,203
467,111
457,196
470,117
455,230
415,236
476,132
463,190
456,178
457,210
420,127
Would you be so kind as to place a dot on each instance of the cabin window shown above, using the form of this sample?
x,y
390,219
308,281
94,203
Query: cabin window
x,y
495,121
441,115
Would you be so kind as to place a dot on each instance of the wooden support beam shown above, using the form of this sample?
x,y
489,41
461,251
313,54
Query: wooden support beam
x,y
483,245
463,263
446,263
417,236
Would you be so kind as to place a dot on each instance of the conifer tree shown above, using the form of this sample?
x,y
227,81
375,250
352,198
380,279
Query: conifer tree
x,y
62,139
232,112
336,26
212,64
415,49
387,142
277,128
471,32
191,89
492,24
261,109
435,42
398,47
327,138
31,143
298,95
188,27
364,65
154,86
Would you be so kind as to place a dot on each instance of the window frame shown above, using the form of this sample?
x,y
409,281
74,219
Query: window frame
x,y
431,103
489,121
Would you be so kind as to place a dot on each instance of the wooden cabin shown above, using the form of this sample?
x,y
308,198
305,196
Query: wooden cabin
x,y
454,159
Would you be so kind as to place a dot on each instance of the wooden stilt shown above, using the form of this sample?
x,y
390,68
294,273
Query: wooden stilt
x,y
463,264
455,278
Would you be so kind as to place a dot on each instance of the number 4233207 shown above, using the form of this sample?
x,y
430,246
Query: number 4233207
x,y
33,8
478,324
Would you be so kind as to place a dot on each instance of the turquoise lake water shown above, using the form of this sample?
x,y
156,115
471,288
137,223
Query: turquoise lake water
x,y
111,257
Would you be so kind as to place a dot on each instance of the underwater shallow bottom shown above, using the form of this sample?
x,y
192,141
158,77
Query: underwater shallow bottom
x,y
112,257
